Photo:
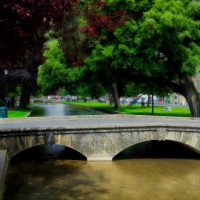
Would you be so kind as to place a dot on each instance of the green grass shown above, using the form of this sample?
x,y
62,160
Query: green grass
x,y
16,113
138,110
158,110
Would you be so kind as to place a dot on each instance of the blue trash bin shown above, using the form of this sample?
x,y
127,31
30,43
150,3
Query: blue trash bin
x,y
3,112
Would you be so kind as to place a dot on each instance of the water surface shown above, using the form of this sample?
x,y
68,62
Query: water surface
x,y
39,110
137,179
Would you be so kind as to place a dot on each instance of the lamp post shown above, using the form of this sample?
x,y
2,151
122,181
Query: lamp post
x,y
6,72
4,109
6,77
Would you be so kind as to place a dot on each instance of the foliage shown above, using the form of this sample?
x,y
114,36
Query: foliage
x,y
91,89
133,89
121,41
168,38
22,24
56,72
62,92
52,73
103,19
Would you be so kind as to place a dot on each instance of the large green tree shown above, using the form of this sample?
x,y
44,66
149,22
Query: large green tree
x,y
52,73
103,18
169,39
163,46
56,71
139,41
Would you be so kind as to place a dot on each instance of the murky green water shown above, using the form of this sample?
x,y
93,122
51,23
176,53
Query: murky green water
x,y
137,179
39,110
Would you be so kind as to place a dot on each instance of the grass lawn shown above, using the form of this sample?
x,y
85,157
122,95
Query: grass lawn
x,y
16,113
138,110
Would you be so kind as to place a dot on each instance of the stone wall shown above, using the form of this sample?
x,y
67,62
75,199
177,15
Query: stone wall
x,y
4,160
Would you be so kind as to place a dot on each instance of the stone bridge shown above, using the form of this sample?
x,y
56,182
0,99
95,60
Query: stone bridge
x,y
39,100
97,137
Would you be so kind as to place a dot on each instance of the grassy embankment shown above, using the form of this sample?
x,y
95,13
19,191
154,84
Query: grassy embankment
x,y
137,109
134,109
16,113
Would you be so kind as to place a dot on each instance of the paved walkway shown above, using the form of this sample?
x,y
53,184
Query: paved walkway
x,y
96,121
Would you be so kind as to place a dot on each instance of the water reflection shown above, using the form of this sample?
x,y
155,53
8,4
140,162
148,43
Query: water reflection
x,y
61,110
160,179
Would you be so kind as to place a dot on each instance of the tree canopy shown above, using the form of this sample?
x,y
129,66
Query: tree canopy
x,y
158,40
23,24
109,43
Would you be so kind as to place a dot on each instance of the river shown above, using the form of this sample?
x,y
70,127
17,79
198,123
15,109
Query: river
x,y
136,179
39,110
125,179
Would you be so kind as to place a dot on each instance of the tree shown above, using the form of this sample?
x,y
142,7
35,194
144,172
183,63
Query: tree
x,y
103,20
52,74
162,47
23,24
56,71
169,35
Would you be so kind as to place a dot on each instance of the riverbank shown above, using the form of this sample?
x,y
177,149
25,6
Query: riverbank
x,y
17,113
124,109
136,109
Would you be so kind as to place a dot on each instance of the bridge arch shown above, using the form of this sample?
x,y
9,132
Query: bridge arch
x,y
46,152
158,149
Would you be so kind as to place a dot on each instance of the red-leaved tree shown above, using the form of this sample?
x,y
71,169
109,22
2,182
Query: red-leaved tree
x,y
23,24
98,19
103,20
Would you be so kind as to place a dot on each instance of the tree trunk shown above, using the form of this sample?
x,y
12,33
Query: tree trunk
x,y
13,102
25,96
152,93
148,101
192,96
115,95
110,99
2,101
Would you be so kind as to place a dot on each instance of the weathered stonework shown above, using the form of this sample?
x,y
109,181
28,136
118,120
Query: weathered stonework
x,y
4,160
97,143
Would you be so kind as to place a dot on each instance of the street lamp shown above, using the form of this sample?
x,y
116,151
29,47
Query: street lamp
x,y
6,77
6,72
4,109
